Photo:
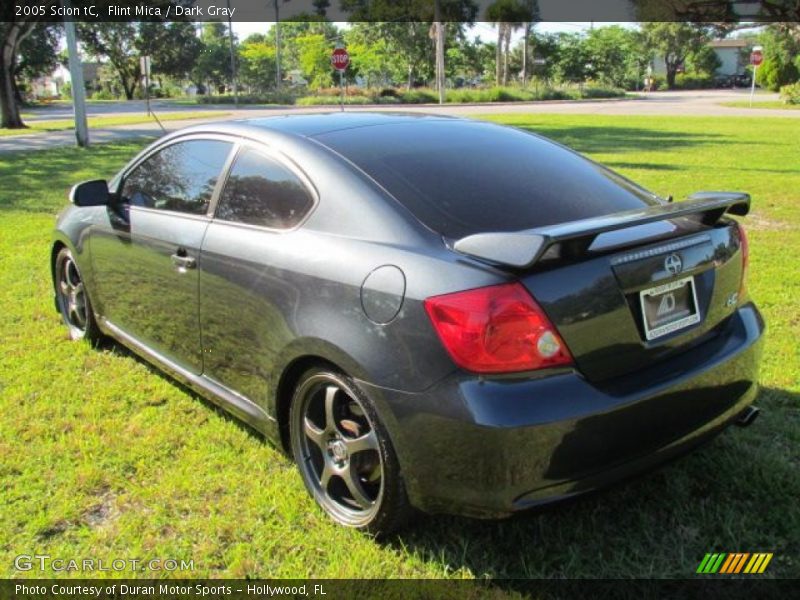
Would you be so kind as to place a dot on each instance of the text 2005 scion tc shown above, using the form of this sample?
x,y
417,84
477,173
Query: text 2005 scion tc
x,y
426,312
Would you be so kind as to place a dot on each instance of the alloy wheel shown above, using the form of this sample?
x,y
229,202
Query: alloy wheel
x,y
71,294
339,453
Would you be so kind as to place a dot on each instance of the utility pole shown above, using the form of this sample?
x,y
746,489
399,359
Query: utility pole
x,y
439,32
277,46
233,59
76,78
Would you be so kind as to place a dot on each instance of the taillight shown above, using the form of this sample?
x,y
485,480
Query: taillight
x,y
745,248
496,329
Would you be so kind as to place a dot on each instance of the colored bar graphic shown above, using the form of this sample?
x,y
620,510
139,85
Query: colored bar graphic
x,y
764,564
754,561
741,562
727,564
703,563
717,563
734,563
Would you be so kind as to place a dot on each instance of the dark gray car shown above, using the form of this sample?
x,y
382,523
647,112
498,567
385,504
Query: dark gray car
x,y
426,312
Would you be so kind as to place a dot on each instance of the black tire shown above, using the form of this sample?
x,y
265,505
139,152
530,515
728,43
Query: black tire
x,y
336,435
72,298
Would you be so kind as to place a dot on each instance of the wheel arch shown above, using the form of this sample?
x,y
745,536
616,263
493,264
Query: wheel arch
x,y
285,390
306,354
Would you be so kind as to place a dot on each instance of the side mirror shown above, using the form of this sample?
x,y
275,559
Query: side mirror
x,y
90,193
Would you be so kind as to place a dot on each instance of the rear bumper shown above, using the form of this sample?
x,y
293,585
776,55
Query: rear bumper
x,y
490,447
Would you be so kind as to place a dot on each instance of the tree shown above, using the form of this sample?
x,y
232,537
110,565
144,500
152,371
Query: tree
x,y
257,63
13,32
616,56
117,43
470,60
703,61
416,16
675,41
314,56
213,66
781,64
572,59
508,15
38,55
372,55
290,31
533,17
174,47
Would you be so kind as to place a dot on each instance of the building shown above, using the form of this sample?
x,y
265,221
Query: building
x,y
732,54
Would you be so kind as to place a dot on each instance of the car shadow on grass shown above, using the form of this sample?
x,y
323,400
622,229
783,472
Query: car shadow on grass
x,y
110,345
735,494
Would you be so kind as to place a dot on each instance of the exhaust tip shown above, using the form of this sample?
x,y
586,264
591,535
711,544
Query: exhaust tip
x,y
748,416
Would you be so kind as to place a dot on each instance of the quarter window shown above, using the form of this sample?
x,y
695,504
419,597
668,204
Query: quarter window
x,y
259,191
181,177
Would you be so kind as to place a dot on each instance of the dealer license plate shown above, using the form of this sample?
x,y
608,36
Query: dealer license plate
x,y
669,307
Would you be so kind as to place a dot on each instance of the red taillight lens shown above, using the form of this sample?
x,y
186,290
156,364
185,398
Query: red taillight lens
x,y
496,329
744,245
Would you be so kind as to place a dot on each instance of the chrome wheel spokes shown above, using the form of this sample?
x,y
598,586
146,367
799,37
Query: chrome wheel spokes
x,y
341,451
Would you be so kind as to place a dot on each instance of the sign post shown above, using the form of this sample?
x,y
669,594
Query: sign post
x,y
144,63
756,58
339,61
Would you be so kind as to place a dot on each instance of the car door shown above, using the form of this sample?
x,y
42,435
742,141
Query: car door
x,y
249,286
146,257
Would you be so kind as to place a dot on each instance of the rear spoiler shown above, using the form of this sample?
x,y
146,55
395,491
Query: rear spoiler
x,y
522,249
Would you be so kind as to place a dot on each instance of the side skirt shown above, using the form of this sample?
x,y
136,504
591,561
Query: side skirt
x,y
234,403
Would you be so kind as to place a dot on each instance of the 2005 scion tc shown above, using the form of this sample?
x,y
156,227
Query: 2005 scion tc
x,y
427,312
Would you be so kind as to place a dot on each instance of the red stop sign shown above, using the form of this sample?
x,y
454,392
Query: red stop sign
x,y
340,59
756,58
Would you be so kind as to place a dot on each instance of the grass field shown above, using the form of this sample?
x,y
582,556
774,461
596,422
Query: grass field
x,y
98,122
774,104
100,456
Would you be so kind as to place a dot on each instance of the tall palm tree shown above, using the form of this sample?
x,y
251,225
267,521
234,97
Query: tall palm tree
x,y
508,16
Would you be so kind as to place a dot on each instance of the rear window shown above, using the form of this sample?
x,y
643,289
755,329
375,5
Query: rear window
x,y
462,178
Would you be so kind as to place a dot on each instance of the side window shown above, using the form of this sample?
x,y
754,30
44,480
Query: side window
x,y
259,191
181,177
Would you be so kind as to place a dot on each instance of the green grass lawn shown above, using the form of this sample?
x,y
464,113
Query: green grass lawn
x,y
775,104
101,456
98,122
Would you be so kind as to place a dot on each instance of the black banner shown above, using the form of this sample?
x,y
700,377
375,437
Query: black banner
x,y
401,10
334,589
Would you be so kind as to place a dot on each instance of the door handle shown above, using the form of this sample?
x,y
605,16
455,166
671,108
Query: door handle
x,y
183,262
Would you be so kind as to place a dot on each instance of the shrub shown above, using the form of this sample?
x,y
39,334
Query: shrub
x,y
790,94
602,92
332,100
693,82
419,96
102,95
269,98
335,92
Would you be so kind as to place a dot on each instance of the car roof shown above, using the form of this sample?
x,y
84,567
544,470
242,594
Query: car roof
x,y
312,124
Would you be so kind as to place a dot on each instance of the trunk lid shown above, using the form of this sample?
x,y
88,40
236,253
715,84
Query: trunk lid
x,y
596,304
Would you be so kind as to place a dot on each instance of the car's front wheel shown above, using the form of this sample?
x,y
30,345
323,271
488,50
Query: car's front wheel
x,y
344,454
73,299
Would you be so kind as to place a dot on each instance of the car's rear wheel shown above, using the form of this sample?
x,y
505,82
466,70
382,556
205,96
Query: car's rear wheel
x,y
344,454
73,299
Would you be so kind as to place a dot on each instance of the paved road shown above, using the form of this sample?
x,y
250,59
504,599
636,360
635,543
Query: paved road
x,y
698,103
